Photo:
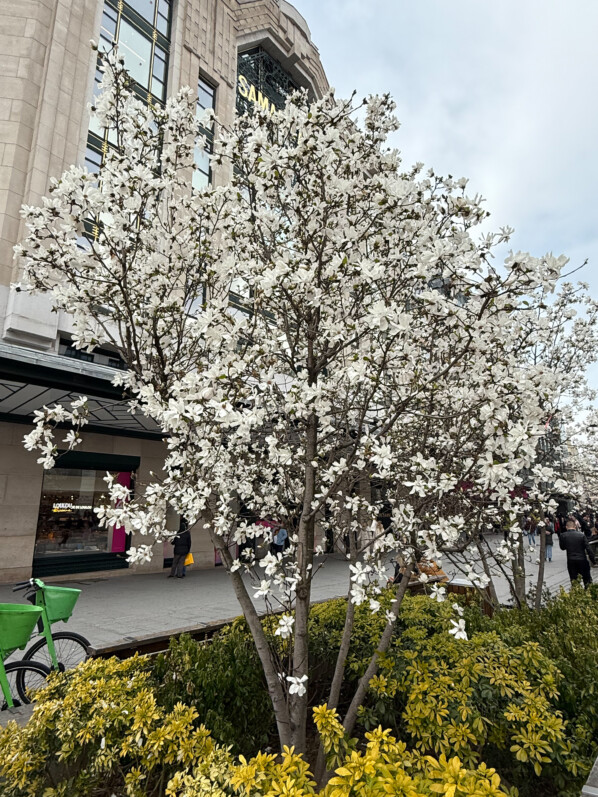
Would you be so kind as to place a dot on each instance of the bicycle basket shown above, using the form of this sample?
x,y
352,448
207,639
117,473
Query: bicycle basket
x,y
60,602
16,624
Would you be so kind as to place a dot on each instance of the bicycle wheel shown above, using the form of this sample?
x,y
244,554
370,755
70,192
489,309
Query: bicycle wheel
x,y
71,649
25,678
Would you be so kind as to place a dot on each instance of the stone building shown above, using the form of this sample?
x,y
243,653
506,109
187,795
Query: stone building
x,y
234,52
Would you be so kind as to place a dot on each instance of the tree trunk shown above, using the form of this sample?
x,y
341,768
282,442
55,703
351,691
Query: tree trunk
x,y
339,671
305,556
519,572
487,571
275,690
540,581
362,687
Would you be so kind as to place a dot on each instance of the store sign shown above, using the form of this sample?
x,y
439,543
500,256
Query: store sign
x,y
249,92
67,506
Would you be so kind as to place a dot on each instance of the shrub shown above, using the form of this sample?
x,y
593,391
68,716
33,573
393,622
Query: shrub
x,y
384,767
223,681
98,730
566,633
480,700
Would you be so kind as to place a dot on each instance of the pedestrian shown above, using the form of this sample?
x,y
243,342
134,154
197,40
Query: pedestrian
x,y
279,540
574,541
548,532
181,547
530,528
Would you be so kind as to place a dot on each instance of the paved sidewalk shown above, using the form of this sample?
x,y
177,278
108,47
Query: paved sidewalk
x,y
111,609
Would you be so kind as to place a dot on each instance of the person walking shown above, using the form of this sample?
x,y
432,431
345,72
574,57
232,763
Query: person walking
x,y
548,532
530,528
575,543
279,540
181,547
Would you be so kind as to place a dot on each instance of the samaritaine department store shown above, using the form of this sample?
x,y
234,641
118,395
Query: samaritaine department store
x,y
236,53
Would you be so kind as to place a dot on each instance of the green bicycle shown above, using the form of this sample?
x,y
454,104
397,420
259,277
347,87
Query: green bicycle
x,y
60,650
20,678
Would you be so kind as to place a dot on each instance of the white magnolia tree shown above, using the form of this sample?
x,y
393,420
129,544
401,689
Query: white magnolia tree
x,y
564,331
370,339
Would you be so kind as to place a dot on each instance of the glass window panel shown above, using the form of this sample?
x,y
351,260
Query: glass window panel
x,y
95,126
108,29
96,83
145,8
163,16
137,51
205,95
93,159
109,18
105,43
158,88
162,24
202,159
67,522
83,243
159,64
200,180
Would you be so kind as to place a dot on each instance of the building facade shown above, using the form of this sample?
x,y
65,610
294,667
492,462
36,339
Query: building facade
x,y
234,53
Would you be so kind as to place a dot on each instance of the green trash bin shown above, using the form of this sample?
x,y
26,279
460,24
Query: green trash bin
x,y
59,602
16,624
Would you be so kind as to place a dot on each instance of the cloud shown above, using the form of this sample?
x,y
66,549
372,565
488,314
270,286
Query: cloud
x,y
501,93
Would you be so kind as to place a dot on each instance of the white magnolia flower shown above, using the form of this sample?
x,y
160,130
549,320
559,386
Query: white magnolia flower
x,y
264,589
438,593
458,609
458,629
297,685
285,626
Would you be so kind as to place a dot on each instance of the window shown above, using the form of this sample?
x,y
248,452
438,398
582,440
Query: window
x,y
202,175
93,159
261,81
137,52
67,522
141,28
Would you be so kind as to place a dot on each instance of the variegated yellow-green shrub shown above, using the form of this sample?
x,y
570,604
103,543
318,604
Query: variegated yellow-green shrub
x,y
98,730
384,767
478,699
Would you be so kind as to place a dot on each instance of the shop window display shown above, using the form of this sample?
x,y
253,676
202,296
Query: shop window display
x,y
67,522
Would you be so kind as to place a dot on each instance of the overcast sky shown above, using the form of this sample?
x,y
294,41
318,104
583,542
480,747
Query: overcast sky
x,y
503,93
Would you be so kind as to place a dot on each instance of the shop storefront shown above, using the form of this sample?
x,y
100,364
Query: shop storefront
x,y
48,523
69,537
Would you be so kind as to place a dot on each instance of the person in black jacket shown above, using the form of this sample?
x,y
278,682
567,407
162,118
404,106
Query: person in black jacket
x,y
578,551
181,547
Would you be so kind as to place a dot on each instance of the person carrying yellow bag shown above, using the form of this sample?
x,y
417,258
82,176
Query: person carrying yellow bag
x,y
181,550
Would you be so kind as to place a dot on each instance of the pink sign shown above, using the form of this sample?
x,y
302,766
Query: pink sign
x,y
119,535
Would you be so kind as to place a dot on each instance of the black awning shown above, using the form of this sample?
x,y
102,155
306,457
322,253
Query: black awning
x,y
30,380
